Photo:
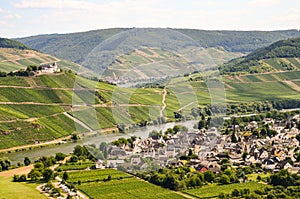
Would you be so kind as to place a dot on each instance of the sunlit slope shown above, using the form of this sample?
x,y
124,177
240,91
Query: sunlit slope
x,y
146,63
39,109
12,59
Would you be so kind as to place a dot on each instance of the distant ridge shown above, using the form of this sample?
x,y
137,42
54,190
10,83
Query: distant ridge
x,y
9,43
76,46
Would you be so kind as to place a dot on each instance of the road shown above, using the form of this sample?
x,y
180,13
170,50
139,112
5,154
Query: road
x,y
163,102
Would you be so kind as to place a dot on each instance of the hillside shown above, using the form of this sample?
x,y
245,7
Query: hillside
x,y
8,43
73,46
281,55
40,109
149,63
12,59
77,46
43,108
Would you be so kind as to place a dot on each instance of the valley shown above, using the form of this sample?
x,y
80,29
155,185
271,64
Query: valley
x,y
91,121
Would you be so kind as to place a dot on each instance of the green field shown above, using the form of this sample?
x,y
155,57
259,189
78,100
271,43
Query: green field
x,y
76,166
213,191
18,190
122,185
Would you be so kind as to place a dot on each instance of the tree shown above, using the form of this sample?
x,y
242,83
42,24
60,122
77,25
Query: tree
x,y
16,178
176,129
27,161
74,158
154,135
169,131
190,152
39,166
298,137
283,178
235,193
209,176
74,137
22,178
48,174
225,161
170,182
244,156
201,124
60,156
5,163
224,179
55,192
80,151
34,174
65,176
234,138
47,161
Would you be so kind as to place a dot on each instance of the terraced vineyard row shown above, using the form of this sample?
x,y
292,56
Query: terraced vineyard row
x,y
121,185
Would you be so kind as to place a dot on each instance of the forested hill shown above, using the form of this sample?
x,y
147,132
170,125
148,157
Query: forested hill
x,y
239,41
76,46
281,49
8,43
281,55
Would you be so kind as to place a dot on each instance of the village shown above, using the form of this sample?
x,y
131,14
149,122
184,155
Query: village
x,y
207,147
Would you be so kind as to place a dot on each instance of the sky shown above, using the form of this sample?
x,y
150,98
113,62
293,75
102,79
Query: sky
x,y
20,18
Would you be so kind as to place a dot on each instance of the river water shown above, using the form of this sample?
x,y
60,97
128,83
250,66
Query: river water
x,y
94,139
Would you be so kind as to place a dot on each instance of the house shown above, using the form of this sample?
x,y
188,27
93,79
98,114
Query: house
x,y
263,154
114,163
215,169
269,121
136,160
49,68
283,165
99,164
201,168
252,126
116,152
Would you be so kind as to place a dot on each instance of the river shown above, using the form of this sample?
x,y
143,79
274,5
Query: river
x,y
67,148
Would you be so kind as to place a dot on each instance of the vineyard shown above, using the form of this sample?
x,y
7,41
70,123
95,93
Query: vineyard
x,y
121,185
213,191
32,109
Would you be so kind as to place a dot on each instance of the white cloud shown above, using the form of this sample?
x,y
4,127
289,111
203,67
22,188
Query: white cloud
x,y
12,16
61,16
1,10
264,3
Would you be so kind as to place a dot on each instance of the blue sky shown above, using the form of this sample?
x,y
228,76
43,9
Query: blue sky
x,y
20,18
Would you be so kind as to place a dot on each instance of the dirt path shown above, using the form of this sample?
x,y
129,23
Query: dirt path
x,y
293,85
185,195
189,104
78,121
18,171
228,86
46,88
163,102
239,79
56,141
37,103
79,193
